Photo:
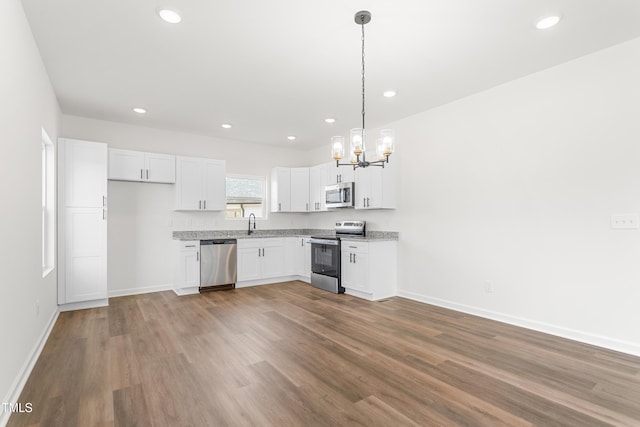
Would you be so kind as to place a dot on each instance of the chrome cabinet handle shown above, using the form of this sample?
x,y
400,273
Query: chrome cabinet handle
x,y
301,242
104,214
367,202
197,256
350,257
104,201
205,205
307,204
279,206
147,173
189,246
354,258
258,251
364,202
141,173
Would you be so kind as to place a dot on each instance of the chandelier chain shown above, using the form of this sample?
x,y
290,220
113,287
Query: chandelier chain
x,y
362,38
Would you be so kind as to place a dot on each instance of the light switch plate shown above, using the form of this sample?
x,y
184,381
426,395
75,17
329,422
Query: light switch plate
x,y
624,221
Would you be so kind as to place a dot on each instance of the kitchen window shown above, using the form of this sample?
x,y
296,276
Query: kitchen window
x,y
48,204
246,196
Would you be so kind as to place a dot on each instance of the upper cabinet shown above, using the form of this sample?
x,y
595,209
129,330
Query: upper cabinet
x,y
200,184
317,181
290,190
281,190
338,174
128,165
375,187
300,190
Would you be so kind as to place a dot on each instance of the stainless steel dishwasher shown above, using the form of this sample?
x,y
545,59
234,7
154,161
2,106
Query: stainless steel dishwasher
x,y
218,264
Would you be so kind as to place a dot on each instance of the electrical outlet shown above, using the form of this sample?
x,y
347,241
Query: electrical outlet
x,y
488,286
624,221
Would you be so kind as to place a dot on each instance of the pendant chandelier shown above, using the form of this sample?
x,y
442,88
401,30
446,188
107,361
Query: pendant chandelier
x,y
385,144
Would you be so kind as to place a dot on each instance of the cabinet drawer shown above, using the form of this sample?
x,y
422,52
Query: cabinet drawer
x,y
360,247
190,245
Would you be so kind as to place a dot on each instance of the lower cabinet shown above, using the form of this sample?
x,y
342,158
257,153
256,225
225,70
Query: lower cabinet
x,y
298,257
186,268
260,258
369,269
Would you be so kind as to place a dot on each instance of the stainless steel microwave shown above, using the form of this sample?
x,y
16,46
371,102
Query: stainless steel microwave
x,y
339,195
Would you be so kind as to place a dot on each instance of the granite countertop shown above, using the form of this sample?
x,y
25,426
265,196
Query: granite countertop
x,y
299,232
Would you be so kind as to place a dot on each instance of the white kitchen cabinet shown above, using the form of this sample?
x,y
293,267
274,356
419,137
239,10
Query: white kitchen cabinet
x,y
298,257
369,269
318,176
200,184
375,187
281,189
338,174
300,190
82,224
128,165
186,267
306,271
260,258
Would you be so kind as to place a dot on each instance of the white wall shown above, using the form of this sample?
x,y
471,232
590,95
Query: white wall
x,y
27,105
141,216
516,186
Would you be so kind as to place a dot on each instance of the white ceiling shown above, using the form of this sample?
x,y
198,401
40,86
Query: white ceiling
x,y
278,68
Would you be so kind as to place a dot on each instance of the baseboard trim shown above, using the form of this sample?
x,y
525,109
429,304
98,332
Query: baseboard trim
x,y
139,290
21,379
83,305
572,334
270,281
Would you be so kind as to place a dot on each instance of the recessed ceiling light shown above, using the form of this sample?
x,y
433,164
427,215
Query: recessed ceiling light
x,y
330,120
226,125
291,138
547,22
169,15
389,94
139,110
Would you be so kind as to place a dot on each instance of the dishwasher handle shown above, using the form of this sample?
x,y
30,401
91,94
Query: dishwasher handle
x,y
219,242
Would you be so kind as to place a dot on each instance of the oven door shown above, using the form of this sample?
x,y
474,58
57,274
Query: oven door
x,y
325,257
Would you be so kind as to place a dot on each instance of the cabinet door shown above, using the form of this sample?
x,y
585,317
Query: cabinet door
x,y
293,256
337,174
300,190
248,263
126,165
281,190
307,258
355,266
347,270
361,272
317,182
272,260
363,186
85,173
85,256
160,168
215,187
191,268
189,179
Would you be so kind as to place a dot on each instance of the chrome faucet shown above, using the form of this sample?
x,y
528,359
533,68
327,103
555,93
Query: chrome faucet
x,y
254,223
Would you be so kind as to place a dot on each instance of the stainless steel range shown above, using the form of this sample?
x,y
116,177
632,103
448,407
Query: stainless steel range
x,y
325,255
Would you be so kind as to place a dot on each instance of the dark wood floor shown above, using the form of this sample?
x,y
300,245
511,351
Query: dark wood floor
x,y
289,354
